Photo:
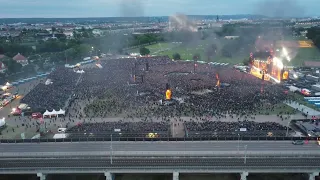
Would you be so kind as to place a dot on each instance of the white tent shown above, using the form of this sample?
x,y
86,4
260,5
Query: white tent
x,y
99,66
59,136
48,81
54,112
2,122
47,113
80,72
61,112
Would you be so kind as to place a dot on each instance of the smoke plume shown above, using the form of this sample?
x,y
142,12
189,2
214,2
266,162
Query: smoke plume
x,y
132,8
280,8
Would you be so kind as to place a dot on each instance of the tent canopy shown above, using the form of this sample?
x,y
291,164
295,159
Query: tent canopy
x,y
2,122
61,112
47,113
54,112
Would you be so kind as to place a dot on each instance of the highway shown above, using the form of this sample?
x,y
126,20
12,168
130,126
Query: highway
x,y
160,162
158,146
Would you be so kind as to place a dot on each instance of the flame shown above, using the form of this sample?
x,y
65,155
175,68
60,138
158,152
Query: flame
x,y
218,80
168,94
285,75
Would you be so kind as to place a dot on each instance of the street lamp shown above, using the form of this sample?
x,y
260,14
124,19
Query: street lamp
x,y
111,150
238,142
288,127
245,154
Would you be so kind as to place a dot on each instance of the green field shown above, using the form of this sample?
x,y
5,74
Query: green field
x,y
155,49
187,50
306,54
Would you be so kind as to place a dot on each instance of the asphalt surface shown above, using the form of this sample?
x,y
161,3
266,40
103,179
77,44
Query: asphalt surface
x,y
161,162
257,146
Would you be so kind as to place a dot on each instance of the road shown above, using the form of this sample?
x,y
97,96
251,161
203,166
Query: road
x,y
182,162
130,148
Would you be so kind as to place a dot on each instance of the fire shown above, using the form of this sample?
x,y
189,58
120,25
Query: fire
x,y
285,75
168,94
218,80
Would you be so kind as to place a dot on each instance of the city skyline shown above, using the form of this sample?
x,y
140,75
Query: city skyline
x,y
128,8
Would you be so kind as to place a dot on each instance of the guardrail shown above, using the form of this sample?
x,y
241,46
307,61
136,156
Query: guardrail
x,y
162,154
156,139
184,169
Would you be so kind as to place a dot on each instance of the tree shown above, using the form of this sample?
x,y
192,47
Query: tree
x,y
144,51
28,68
246,61
71,54
13,66
176,56
53,30
196,57
83,50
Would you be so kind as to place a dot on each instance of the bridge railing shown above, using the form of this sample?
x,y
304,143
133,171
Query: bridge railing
x,y
83,139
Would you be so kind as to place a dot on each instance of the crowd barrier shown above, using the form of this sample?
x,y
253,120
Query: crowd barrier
x,y
22,81
157,139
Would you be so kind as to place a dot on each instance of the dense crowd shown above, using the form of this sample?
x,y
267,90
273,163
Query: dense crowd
x,y
131,88
54,95
233,126
127,129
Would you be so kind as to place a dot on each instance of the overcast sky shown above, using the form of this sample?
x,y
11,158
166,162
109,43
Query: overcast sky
x,y
116,8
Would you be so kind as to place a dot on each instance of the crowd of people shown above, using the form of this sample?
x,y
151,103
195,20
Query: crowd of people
x,y
193,129
54,94
131,88
105,129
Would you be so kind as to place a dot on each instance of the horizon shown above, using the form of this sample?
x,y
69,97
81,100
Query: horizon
x,y
154,8
132,16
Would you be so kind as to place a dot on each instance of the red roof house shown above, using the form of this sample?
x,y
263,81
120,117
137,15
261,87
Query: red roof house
x,y
20,59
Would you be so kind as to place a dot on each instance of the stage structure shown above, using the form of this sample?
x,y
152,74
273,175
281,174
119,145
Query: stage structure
x,y
268,68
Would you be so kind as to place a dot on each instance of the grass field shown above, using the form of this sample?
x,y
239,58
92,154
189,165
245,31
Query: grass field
x,y
155,49
187,51
306,54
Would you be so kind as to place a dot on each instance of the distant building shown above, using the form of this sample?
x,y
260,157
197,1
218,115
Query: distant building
x,y
231,37
97,32
20,59
68,34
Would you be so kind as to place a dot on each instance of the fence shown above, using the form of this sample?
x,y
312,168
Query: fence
x,y
156,139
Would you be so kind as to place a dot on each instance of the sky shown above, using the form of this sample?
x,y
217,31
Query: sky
x,y
125,8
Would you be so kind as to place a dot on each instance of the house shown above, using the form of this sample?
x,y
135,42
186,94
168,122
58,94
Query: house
x,y
69,34
20,59
97,32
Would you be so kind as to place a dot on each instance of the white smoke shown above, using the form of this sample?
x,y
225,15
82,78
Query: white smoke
x,y
180,22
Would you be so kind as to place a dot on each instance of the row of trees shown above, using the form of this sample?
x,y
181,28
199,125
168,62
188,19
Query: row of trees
x,y
313,34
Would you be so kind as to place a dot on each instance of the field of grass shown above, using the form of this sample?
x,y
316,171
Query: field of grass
x,y
306,54
156,48
280,108
187,51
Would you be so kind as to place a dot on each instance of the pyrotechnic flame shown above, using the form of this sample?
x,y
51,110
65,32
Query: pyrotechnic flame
x,y
168,94
285,53
218,80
